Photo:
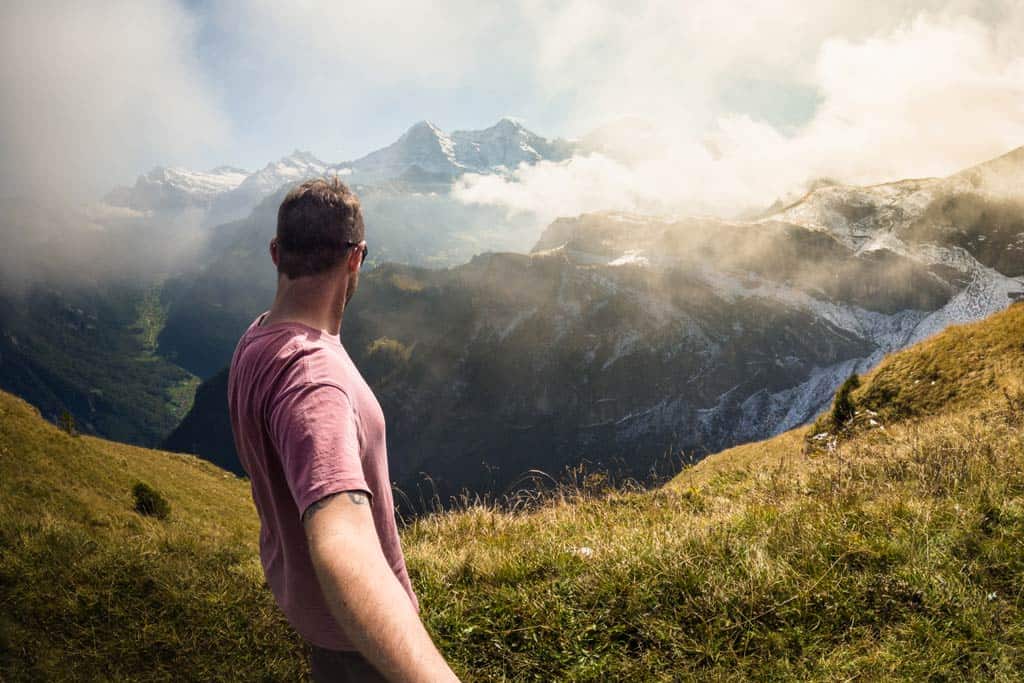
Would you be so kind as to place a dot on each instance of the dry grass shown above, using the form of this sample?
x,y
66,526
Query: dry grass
x,y
897,556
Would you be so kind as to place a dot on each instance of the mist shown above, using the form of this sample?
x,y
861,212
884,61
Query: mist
x,y
687,108
58,243
95,93
926,98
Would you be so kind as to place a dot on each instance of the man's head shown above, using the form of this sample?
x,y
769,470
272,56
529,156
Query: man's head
x,y
318,223
320,230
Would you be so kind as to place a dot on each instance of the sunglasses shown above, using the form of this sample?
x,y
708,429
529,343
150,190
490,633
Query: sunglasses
x,y
366,249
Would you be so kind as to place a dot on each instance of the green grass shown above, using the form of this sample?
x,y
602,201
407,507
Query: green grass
x,y
893,553
92,590
900,556
956,369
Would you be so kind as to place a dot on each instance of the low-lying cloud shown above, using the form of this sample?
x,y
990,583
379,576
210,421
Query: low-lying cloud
x,y
928,97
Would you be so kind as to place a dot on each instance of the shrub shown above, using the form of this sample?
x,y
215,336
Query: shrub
x,y
149,502
67,422
383,357
843,408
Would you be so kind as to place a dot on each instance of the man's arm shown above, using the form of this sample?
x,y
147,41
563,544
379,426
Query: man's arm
x,y
364,594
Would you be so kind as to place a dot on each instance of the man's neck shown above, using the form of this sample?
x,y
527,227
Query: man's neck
x,y
316,301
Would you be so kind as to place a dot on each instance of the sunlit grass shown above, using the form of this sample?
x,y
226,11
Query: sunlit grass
x,y
898,555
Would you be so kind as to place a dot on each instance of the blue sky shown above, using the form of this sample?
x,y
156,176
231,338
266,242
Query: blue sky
x,y
275,106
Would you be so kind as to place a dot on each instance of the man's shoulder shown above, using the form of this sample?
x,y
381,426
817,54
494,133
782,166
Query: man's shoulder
x,y
284,352
313,362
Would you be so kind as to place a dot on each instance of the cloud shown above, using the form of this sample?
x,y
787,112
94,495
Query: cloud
x,y
865,90
930,95
97,92
389,41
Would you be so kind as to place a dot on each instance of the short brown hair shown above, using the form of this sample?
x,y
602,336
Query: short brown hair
x,y
316,223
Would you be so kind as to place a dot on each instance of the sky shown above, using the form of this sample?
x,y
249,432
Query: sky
x,y
749,99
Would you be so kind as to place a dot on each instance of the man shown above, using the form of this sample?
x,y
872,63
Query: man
x,y
310,435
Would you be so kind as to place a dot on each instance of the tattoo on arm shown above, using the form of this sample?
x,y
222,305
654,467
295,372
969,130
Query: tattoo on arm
x,y
313,507
357,498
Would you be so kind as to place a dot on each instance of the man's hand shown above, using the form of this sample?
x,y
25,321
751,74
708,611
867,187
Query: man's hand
x,y
364,594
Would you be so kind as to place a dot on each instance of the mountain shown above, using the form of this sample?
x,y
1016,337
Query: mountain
x,y
796,558
210,306
629,340
288,170
293,168
176,188
425,153
424,157
80,311
979,211
505,145
179,246
405,188
213,423
717,304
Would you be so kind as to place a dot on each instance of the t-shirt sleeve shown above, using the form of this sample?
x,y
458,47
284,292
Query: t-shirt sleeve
x,y
315,432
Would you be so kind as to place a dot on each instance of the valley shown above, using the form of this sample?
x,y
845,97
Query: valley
x,y
504,354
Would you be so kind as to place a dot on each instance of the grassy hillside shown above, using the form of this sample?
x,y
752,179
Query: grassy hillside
x,y
892,553
890,549
92,590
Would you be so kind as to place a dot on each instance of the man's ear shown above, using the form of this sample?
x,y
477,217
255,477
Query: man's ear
x,y
275,251
355,259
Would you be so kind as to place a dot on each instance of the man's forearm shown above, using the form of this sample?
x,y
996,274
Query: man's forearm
x,y
366,598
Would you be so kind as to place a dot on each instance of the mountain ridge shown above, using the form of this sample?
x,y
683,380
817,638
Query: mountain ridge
x,y
423,152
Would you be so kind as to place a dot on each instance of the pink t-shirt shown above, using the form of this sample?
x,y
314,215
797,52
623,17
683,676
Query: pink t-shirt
x,y
307,425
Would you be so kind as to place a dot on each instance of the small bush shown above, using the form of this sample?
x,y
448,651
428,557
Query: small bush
x,y
385,356
67,423
843,409
149,502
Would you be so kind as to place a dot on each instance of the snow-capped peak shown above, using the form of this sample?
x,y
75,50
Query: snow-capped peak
x,y
200,183
424,150
171,187
423,153
509,123
423,127
297,166
504,146
301,158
